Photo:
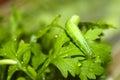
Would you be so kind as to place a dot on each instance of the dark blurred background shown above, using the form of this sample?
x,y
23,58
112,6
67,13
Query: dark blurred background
x,y
42,12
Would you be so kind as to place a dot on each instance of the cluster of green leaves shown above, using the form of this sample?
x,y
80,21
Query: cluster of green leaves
x,y
51,53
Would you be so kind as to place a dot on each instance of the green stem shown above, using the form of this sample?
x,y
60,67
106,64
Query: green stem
x,y
7,61
45,65
28,73
28,70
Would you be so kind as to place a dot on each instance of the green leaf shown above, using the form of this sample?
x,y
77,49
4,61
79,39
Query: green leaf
x,y
60,40
38,58
44,30
26,57
22,49
83,77
66,65
21,78
70,50
101,50
63,52
31,71
49,38
89,69
93,34
21,56
11,70
89,25
8,50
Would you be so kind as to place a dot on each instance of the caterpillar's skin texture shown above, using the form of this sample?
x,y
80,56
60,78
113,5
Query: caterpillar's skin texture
x,y
76,35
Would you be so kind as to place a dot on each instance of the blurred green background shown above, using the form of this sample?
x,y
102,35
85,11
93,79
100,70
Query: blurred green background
x,y
42,12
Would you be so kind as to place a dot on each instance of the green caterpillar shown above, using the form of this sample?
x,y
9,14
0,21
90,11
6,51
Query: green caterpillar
x,y
76,35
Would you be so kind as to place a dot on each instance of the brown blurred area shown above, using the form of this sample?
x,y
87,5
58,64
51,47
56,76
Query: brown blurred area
x,y
3,2
4,8
114,68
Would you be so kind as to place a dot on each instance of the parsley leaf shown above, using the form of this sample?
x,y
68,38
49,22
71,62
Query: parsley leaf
x,y
102,51
21,55
63,56
93,34
38,57
66,65
8,50
89,69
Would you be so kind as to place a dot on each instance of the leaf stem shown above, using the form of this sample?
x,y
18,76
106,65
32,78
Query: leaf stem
x,y
7,61
45,65
32,76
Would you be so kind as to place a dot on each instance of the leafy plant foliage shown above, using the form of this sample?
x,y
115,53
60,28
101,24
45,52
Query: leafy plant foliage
x,y
54,52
